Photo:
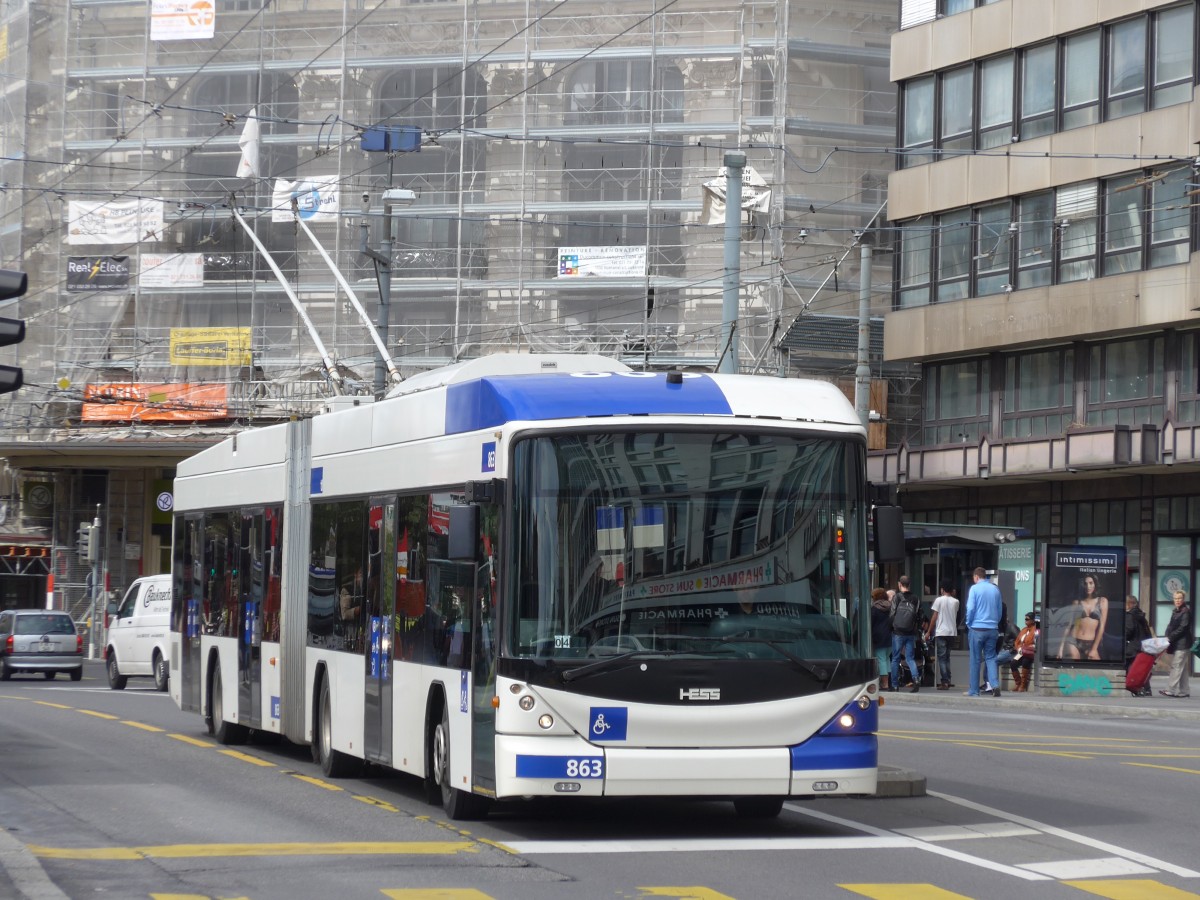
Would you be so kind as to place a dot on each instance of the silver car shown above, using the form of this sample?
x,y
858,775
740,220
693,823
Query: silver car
x,y
39,640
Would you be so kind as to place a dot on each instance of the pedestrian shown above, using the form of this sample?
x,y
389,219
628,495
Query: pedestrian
x,y
1179,633
984,608
1023,652
906,623
1137,629
942,630
881,634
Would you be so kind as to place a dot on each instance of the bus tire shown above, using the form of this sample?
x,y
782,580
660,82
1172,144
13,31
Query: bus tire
x,y
224,732
758,807
334,763
457,804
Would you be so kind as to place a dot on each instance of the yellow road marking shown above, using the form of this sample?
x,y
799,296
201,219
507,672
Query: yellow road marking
x,y
372,801
190,897
318,782
98,715
684,893
52,705
903,892
1132,889
195,742
144,727
205,851
435,894
1167,768
246,757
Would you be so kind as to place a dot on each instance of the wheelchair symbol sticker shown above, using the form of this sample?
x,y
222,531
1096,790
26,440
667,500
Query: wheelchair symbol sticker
x,y
608,723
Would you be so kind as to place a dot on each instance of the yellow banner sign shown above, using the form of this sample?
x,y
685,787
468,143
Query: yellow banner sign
x,y
210,346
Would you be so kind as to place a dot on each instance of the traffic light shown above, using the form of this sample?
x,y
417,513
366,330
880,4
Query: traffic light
x,y
12,331
86,542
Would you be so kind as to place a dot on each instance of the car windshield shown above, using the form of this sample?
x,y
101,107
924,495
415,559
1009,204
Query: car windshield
x,y
44,624
726,545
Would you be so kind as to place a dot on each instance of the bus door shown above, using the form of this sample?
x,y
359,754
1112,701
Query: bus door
x,y
188,576
249,587
380,596
483,662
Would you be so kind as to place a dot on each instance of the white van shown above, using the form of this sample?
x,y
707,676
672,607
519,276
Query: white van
x,y
139,632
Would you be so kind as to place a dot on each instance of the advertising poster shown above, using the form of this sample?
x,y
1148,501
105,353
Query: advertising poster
x,y
141,402
316,199
116,222
618,261
171,270
182,20
1085,605
86,274
210,347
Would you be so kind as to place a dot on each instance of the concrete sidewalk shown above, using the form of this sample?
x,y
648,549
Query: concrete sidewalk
x,y
1117,703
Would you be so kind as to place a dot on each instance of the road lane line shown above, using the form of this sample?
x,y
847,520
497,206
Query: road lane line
x,y
1062,869
308,779
1166,768
141,725
209,851
98,715
935,849
1132,889
247,758
1073,836
903,892
937,833
52,705
195,742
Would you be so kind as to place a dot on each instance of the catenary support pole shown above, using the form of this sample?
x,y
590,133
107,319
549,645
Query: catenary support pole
x,y
735,163
862,372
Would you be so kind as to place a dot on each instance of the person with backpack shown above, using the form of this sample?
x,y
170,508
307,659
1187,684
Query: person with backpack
x,y
906,621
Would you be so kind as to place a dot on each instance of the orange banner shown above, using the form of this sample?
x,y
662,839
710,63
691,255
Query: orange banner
x,y
155,402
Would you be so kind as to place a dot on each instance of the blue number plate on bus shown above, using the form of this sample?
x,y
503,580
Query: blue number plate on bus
x,y
573,767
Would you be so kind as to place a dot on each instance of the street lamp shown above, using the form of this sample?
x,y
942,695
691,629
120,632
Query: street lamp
x,y
392,197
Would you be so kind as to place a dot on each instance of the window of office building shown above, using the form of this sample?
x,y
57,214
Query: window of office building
x,y
622,92
957,397
1117,70
1038,392
1126,382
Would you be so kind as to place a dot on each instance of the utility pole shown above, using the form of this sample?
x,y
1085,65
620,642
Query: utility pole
x,y
862,372
735,162
383,262
93,555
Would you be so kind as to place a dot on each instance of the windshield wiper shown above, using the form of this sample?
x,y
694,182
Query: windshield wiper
x,y
822,674
614,662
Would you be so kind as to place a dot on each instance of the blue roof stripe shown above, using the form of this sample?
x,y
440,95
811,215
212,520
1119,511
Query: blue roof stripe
x,y
489,402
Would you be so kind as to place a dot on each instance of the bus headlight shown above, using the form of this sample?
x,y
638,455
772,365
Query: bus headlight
x,y
546,721
846,720
864,702
526,703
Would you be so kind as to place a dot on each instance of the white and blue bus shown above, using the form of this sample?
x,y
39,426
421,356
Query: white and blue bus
x,y
524,576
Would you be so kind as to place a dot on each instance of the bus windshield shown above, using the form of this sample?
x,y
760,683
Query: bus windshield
x,y
726,545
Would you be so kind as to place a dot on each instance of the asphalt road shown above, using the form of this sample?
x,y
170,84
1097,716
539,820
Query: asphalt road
x,y
119,794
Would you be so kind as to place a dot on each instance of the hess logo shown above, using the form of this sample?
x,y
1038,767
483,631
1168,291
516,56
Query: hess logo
x,y
699,693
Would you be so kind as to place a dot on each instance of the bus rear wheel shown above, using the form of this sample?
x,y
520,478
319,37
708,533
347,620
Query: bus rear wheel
x,y
224,732
457,804
334,763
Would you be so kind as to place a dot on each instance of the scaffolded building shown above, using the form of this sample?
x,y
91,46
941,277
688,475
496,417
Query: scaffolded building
x,y
564,160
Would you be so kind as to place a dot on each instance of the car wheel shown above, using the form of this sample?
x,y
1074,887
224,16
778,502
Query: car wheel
x,y
758,807
116,680
160,672
49,676
5,672
77,674
334,763
458,804
224,732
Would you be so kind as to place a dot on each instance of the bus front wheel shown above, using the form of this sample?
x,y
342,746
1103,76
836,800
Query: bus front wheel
x,y
458,804
758,807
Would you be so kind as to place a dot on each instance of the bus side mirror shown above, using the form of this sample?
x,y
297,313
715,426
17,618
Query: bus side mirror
x,y
464,534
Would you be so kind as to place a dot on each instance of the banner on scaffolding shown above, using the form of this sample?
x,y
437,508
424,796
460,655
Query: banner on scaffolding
x,y
607,262
142,402
115,222
210,346
316,198
182,20
756,196
171,270
87,274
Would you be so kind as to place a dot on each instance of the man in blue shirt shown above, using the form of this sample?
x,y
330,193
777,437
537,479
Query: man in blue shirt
x,y
984,609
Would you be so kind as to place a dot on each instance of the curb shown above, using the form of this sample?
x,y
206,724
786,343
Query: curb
x,y
1147,708
26,873
897,782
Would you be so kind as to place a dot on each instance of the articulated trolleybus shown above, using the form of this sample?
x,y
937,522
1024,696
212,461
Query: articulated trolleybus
x,y
531,576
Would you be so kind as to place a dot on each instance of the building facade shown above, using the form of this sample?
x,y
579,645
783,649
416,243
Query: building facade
x,y
1046,284
565,186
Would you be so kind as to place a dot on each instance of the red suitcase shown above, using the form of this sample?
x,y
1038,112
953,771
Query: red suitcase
x,y
1138,675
